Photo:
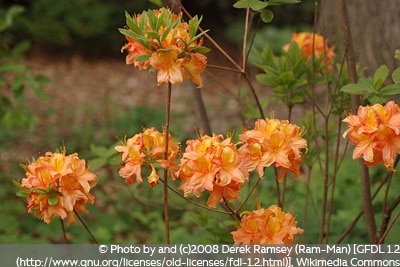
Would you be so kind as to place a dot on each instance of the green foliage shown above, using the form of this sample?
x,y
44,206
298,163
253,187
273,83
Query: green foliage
x,y
266,15
81,25
373,87
285,74
148,25
15,76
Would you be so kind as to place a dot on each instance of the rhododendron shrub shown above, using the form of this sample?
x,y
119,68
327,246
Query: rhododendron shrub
x,y
58,185
266,226
375,132
159,40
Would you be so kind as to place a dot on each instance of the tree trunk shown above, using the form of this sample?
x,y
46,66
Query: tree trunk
x,y
375,26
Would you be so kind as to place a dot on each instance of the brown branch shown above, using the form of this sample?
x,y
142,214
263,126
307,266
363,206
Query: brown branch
x,y
167,121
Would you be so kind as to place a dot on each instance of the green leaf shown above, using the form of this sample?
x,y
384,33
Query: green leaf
x,y
282,2
357,89
194,24
39,191
200,49
144,41
131,22
253,4
153,34
97,163
376,99
152,20
397,54
396,75
53,199
12,68
20,48
393,89
267,15
7,21
142,58
265,79
286,77
380,76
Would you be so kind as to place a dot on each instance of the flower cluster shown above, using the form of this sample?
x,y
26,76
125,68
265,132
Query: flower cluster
x,y
273,142
160,41
58,185
266,226
213,164
375,132
146,148
314,44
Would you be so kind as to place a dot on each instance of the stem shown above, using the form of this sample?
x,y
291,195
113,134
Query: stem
x,y
86,227
202,112
196,203
364,172
389,228
64,232
167,119
377,190
333,182
248,195
277,190
246,31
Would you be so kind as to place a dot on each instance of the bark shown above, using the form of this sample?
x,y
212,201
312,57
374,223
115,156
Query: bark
x,y
375,27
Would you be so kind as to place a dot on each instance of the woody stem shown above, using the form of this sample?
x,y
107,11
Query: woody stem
x,y
86,227
167,119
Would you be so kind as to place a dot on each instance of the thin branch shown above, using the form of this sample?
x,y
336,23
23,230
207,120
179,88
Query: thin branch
x,y
248,195
167,121
378,189
194,202
389,228
86,227
64,232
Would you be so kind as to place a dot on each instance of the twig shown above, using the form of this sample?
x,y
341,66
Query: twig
x,y
167,121
196,203
86,227
64,232
248,195
378,189
389,228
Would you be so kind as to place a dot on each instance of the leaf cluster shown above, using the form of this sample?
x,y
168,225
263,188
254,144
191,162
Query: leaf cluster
x,y
151,30
285,73
261,6
373,87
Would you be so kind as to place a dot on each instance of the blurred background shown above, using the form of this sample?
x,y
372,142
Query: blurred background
x,y
63,80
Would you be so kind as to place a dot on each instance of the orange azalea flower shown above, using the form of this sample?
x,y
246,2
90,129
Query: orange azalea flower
x,y
172,52
57,185
136,49
273,142
310,44
168,66
213,164
270,227
147,148
193,67
375,132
